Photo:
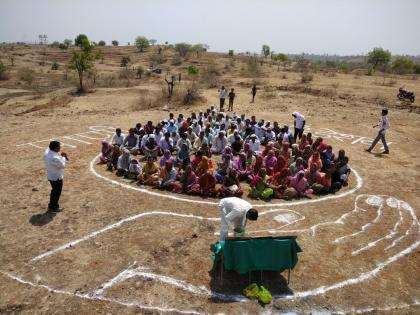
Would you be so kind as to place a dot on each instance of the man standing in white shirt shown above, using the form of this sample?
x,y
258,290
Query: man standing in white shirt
x,y
234,212
222,92
383,127
299,124
54,164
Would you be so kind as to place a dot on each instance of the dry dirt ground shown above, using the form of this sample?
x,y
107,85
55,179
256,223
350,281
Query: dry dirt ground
x,y
123,249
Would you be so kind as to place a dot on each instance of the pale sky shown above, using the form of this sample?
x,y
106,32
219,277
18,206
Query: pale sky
x,y
289,26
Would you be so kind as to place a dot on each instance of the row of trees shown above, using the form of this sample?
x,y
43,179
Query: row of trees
x,y
379,58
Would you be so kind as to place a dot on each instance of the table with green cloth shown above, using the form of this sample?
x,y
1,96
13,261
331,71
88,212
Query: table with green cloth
x,y
264,254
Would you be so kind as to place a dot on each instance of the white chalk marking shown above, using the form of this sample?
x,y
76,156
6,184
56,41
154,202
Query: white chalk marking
x,y
115,225
101,298
359,184
74,139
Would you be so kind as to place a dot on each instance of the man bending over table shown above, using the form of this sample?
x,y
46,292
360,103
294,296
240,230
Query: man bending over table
x,y
234,212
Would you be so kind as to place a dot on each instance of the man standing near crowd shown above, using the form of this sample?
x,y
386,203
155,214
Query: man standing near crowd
x,y
383,126
253,92
222,96
299,124
231,99
54,164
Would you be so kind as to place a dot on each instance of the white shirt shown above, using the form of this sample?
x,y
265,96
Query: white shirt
x,y
299,119
118,140
384,123
166,145
222,93
254,146
54,163
232,214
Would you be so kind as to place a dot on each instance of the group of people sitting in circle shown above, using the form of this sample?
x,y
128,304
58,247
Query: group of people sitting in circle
x,y
214,154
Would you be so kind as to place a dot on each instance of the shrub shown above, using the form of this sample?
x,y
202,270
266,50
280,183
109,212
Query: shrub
x,y
252,67
68,42
157,59
231,52
55,44
417,68
101,43
192,70
54,66
209,76
125,74
115,43
402,65
306,77
3,72
63,46
125,61
265,50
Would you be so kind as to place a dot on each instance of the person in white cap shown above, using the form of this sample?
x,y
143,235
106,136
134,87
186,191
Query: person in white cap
x,y
234,212
299,124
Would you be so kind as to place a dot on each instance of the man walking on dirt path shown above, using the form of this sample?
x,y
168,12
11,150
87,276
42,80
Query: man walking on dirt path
x,y
222,95
253,92
170,85
231,99
54,164
299,124
383,126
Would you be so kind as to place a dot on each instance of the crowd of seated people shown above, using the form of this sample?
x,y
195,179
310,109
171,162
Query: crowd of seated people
x,y
214,154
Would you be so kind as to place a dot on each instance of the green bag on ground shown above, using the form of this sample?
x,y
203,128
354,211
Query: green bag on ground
x,y
264,296
251,291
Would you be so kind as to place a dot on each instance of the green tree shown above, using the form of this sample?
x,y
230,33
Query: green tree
x,y
378,57
182,49
402,65
265,50
115,43
125,61
101,43
198,48
55,44
142,43
82,60
68,42
80,40
280,57
63,46
231,53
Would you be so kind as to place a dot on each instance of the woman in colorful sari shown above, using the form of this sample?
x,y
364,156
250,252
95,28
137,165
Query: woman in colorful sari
x,y
270,162
167,176
296,166
267,149
297,186
315,159
197,159
302,143
280,165
206,150
106,152
204,166
312,175
113,160
167,156
306,154
149,172
247,149
279,183
224,168
259,187
257,165
241,166
207,185
231,186
323,185
186,181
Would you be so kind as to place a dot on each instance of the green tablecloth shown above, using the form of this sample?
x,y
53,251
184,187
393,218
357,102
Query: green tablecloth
x,y
257,254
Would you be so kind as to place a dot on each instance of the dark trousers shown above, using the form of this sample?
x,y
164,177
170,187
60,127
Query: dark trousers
x,y
230,105
380,136
298,132
56,187
222,103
